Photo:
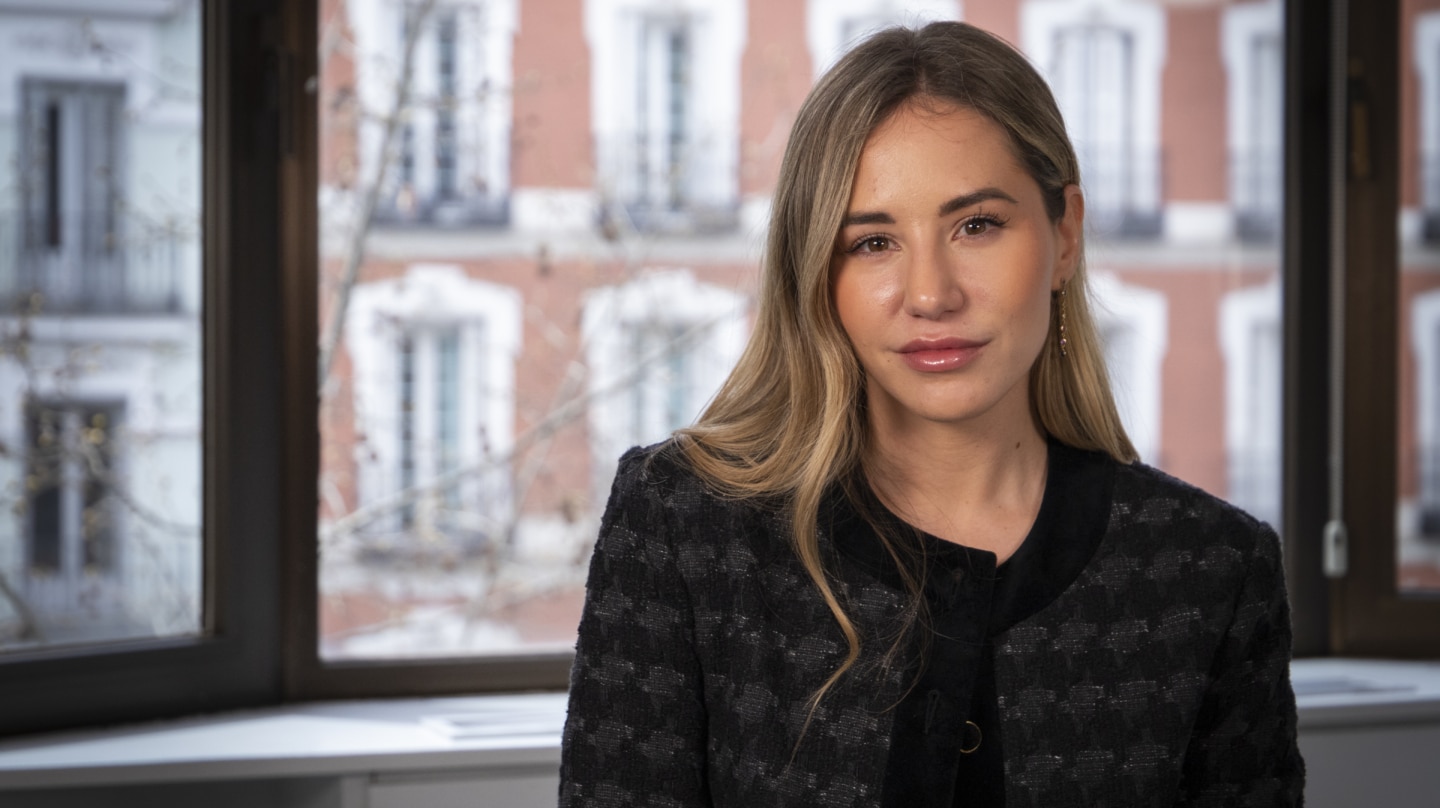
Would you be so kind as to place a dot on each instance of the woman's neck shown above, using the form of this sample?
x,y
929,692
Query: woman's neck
x,y
979,488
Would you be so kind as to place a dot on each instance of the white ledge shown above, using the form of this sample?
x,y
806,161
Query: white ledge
x,y
303,740
520,731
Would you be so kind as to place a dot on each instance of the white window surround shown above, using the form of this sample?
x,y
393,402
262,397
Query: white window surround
x,y
1426,53
1042,21
1135,362
1241,26
1425,343
715,316
486,35
150,367
487,317
1252,411
612,32
826,22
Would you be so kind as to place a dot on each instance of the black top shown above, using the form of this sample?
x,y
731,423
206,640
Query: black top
x,y
953,701
1158,676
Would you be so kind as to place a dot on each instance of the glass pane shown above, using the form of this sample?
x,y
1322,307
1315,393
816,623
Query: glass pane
x,y
1418,512
540,249
100,280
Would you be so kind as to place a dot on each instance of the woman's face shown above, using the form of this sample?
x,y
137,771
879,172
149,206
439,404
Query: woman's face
x,y
944,268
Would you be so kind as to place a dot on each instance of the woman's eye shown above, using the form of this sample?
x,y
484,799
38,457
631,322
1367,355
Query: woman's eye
x,y
976,227
873,244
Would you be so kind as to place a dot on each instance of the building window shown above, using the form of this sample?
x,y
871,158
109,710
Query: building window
x,y
451,142
1103,61
1133,323
1426,49
434,405
100,415
71,151
435,486
1251,343
657,348
1254,58
428,416
666,110
832,27
70,464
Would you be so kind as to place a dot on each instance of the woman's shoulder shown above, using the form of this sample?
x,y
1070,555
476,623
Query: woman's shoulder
x,y
660,468
663,476
1163,508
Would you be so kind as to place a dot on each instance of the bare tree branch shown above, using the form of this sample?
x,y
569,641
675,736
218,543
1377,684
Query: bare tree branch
x,y
561,414
370,197
29,627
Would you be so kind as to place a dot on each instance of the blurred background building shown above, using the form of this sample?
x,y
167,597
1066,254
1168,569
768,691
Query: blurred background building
x,y
541,228
100,437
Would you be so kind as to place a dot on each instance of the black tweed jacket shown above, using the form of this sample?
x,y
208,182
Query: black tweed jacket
x,y
1150,669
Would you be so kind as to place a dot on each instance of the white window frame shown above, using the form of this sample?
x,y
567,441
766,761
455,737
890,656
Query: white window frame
x,y
149,367
485,36
718,42
1242,313
826,23
429,298
1425,51
1135,369
1041,21
715,316
1425,345
1241,27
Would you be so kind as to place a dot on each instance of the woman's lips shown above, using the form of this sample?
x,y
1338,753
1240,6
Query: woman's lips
x,y
939,355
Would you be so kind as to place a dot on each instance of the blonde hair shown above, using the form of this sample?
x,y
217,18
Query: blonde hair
x,y
789,423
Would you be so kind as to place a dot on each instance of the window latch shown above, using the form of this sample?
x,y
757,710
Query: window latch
x,y
1337,549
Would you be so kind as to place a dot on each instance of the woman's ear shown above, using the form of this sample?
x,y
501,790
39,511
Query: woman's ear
x,y
1069,230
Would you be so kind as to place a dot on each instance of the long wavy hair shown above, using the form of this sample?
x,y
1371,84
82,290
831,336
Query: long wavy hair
x,y
788,424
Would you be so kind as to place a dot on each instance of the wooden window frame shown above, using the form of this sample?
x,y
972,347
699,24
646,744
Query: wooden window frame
x,y
236,660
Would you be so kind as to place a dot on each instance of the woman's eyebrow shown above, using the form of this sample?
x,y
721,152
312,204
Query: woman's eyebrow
x,y
865,217
974,198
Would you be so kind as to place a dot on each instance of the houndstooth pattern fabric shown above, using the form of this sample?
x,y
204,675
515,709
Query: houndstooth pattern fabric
x,y
1159,677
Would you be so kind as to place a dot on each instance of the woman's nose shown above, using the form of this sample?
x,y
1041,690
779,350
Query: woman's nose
x,y
932,286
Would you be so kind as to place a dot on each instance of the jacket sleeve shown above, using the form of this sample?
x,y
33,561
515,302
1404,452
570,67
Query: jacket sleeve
x,y
636,729
1243,751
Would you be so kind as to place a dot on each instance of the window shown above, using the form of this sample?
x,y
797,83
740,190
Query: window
x,y
255,276
1383,579
1103,62
449,123
666,115
1254,66
100,364
658,348
1133,324
1250,335
129,515
1425,47
434,354
1417,515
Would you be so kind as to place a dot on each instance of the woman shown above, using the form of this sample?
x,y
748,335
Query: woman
x,y
906,557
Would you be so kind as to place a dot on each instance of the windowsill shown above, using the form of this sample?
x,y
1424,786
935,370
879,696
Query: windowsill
x,y
340,739
331,739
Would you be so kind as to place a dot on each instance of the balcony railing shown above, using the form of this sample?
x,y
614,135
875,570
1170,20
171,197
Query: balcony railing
x,y
669,187
1122,191
83,264
1256,191
474,209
